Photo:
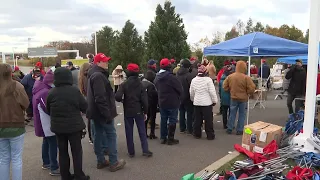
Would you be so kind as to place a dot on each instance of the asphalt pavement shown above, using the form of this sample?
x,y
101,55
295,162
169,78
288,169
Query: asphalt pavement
x,y
168,162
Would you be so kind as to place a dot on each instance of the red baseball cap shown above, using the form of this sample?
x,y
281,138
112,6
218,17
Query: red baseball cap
x,y
100,57
263,60
165,62
192,59
133,67
172,60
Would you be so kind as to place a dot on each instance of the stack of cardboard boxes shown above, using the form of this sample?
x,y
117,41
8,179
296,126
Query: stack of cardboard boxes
x,y
258,135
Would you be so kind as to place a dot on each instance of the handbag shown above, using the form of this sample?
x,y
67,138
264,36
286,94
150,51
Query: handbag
x,y
45,121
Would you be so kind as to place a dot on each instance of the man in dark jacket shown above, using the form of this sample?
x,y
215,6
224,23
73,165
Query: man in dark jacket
x,y
264,72
170,93
186,103
135,105
152,93
297,86
64,104
28,82
102,110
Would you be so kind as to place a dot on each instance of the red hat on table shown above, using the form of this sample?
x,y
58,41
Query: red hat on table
x,y
133,67
165,62
100,57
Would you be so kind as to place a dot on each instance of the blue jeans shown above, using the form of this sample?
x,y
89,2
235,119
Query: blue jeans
x,y
50,152
104,140
168,116
11,152
234,106
110,136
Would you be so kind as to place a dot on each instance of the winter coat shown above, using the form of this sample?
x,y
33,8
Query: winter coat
x,y
286,82
224,95
19,74
118,77
265,71
100,96
75,77
170,90
182,75
254,70
211,69
298,81
28,83
40,92
13,103
220,73
193,73
150,75
151,92
133,96
202,91
64,104
239,84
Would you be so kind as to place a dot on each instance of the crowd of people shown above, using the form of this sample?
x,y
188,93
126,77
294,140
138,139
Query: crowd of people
x,y
58,99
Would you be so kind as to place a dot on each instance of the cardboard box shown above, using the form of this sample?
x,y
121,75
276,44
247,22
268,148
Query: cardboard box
x,y
259,134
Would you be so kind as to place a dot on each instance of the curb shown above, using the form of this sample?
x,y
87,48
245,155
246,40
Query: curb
x,y
219,163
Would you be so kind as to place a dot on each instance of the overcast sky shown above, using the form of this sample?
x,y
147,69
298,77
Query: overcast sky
x,y
44,21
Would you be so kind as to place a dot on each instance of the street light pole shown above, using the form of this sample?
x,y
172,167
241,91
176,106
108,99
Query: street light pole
x,y
14,61
29,39
95,43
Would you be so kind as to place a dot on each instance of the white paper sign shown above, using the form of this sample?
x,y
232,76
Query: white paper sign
x,y
263,136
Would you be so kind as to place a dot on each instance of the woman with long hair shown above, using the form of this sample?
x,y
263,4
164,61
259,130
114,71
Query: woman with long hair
x,y
14,101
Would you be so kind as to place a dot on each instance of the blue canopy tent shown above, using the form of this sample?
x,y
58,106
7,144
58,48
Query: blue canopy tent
x,y
292,59
257,44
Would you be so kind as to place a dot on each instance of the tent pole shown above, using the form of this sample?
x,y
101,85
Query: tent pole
x,y
248,104
313,57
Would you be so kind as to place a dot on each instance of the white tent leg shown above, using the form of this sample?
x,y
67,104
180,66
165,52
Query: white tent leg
x,y
248,107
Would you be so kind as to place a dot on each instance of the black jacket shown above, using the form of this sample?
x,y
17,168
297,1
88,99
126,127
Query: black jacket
x,y
298,81
100,96
182,75
64,104
265,71
170,90
150,75
151,91
133,96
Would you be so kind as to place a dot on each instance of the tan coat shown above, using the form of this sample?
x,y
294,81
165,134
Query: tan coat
x,y
211,69
13,104
239,84
118,76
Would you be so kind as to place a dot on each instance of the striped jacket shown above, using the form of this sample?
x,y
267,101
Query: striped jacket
x,y
202,91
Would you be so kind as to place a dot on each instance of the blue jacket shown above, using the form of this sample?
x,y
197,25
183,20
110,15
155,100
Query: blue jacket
x,y
28,83
170,91
265,71
225,95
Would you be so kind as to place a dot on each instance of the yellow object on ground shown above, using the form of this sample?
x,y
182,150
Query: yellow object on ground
x,y
77,62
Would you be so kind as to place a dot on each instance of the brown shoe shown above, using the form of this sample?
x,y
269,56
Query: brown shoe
x,y
103,165
119,165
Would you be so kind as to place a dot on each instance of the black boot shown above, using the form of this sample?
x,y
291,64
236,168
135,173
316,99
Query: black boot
x,y
171,132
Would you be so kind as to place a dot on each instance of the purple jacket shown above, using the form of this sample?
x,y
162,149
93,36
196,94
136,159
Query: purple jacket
x,y
40,91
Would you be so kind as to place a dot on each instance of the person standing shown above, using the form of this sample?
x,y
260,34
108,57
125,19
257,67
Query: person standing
x,y
148,85
14,101
135,105
186,104
297,86
286,82
75,73
17,72
225,96
28,83
102,110
264,73
219,75
118,77
64,104
49,143
39,66
204,97
240,87
169,96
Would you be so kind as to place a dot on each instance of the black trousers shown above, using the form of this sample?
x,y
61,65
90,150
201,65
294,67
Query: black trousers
x,y
151,117
76,149
89,130
298,103
225,114
29,110
203,113
116,88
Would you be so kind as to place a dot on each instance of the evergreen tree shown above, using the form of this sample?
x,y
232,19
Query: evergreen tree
x,y
166,36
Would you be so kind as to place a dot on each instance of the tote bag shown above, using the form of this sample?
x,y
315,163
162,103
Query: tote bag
x,y
45,121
